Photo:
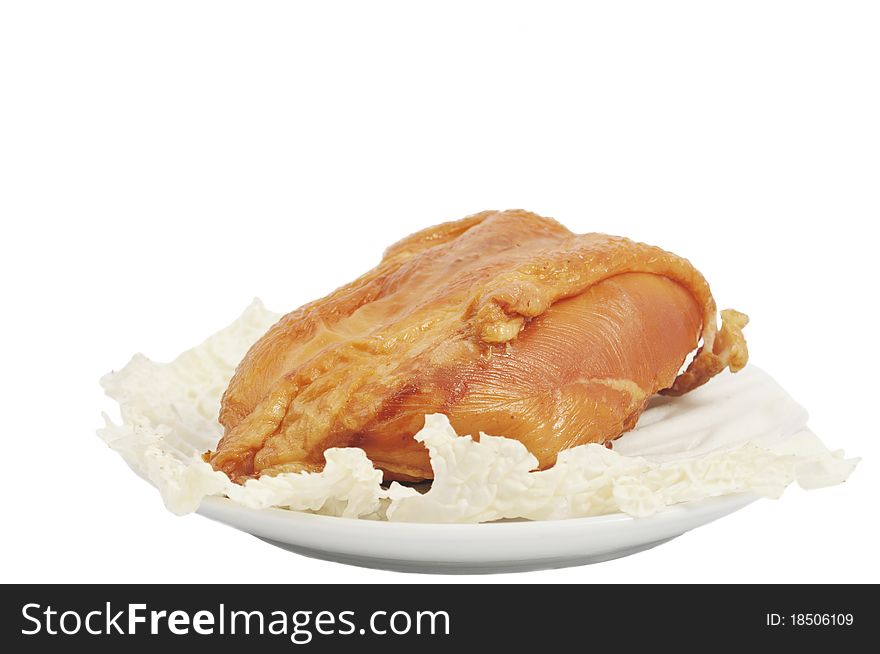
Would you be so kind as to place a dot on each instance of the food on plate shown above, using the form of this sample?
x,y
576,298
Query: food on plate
x,y
506,322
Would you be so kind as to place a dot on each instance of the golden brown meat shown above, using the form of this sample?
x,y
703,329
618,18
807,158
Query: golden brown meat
x,y
505,321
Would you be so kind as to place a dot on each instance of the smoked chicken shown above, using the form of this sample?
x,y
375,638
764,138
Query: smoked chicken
x,y
506,322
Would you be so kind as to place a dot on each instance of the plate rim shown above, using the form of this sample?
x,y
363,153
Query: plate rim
x,y
224,504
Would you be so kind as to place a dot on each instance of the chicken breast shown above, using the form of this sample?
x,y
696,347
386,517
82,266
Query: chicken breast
x,y
506,322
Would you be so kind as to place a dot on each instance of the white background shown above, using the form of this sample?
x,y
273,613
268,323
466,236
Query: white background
x,y
161,163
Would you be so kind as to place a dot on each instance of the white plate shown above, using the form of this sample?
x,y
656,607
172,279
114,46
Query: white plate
x,y
513,546
169,419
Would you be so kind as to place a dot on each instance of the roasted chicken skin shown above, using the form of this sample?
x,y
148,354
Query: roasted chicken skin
x,y
506,322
